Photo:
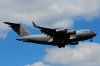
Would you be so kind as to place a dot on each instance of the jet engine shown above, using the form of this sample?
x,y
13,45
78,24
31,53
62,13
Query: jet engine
x,y
65,31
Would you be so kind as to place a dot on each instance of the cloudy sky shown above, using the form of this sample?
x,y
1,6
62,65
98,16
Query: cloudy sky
x,y
73,14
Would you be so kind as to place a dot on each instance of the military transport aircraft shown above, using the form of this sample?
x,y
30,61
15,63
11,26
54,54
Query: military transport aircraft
x,y
56,37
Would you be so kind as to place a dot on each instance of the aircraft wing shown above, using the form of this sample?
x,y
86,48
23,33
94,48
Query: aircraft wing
x,y
47,31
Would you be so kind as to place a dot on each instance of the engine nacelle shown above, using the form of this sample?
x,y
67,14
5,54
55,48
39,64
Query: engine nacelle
x,y
71,32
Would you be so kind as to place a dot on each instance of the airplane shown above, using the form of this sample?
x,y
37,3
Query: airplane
x,y
55,37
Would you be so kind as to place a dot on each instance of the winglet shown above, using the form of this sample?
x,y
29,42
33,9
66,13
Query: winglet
x,y
34,24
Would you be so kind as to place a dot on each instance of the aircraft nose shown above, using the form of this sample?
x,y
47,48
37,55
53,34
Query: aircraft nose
x,y
94,34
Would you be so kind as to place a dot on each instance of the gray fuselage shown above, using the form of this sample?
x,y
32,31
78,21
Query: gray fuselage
x,y
42,38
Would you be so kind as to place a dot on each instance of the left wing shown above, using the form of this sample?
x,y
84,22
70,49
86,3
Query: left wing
x,y
47,31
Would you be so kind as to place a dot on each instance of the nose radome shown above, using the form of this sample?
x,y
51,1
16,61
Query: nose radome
x,y
94,34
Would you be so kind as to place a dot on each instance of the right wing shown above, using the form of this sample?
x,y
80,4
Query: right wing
x,y
47,31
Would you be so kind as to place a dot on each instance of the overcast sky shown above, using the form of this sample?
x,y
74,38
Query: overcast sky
x,y
76,14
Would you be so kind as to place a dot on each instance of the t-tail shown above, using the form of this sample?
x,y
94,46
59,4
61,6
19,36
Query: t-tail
x,y
19,29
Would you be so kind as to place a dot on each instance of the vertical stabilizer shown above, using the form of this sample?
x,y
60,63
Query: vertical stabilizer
x,y
19,29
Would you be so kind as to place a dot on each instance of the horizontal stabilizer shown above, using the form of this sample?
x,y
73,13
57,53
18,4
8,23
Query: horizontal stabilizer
x,y
9,23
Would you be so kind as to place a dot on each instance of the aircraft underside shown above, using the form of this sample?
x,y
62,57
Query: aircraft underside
x,y
56,42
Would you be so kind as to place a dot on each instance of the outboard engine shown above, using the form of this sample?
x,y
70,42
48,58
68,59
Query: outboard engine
x,y
61,31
